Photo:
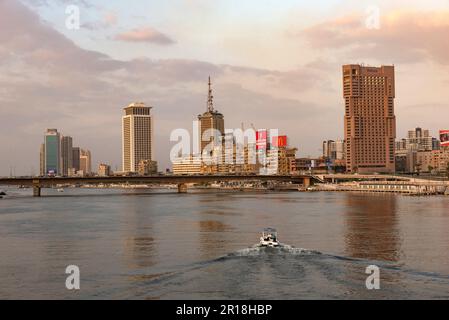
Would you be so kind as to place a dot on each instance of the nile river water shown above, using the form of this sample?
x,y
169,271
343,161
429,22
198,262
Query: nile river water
x,y
134,244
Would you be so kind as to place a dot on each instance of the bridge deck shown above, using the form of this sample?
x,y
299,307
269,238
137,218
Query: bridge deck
x,y
159,179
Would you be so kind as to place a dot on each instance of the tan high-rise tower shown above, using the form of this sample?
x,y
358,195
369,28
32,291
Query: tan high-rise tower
x,y
370,123
210,120
137,136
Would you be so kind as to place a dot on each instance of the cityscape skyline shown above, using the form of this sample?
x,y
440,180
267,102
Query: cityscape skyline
x,y
303,98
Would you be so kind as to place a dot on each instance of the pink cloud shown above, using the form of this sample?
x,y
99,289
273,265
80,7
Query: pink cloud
x,y
145,34
402,37
110,19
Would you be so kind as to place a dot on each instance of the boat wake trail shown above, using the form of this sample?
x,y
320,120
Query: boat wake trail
x,y
286,272
257,249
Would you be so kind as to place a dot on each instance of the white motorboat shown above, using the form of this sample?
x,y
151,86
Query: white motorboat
x,y
269,238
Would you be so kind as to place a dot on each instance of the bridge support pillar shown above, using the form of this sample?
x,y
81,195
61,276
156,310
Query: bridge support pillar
x,y
182,188
36,191
306,182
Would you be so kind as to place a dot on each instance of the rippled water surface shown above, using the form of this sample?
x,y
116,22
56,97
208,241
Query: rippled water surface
x,y
134,244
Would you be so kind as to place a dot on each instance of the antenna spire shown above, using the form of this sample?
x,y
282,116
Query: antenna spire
x,y
210,98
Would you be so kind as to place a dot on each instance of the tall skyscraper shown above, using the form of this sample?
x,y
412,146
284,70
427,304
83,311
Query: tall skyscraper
x,y
66,155
52,150
209,121
370,122
137,136
85,162
76,158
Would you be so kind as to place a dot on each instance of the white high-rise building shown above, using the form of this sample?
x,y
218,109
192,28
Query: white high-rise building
x,y
137,136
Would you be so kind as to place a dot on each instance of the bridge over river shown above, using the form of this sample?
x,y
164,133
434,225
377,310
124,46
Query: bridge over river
x,y
37,183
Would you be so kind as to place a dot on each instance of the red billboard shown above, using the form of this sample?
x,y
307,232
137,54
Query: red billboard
x,y
261,139
279,141
444,138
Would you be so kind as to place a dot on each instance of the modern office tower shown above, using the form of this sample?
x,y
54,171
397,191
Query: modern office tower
x,y
211,124
137,136
52,152
370,122
76,158
85,162
42,160
66,155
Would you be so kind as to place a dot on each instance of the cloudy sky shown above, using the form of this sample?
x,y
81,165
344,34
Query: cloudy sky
x,y
273,63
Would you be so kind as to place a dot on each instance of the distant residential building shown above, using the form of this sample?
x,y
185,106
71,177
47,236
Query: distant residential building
x,y
406,160
433,161
441,160
147,167
104,170
417,139
281,161
436,144
85,162
334,150
414,153
309,164
137,136
222,158
66,155
211,124
73,172
370,122
280,158
52,151
187,165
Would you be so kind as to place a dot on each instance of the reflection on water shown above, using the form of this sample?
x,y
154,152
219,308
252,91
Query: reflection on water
x,y
140,248
371,227
149,245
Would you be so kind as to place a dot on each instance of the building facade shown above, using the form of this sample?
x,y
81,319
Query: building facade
x,y
370,122
419,140
137,136
42,160
66,155
415,152
76,158
85,162
147,167
52,151
104,170
187,165
334,150
211,125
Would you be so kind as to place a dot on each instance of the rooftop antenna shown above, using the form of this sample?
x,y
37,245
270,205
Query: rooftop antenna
x,y
210,99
